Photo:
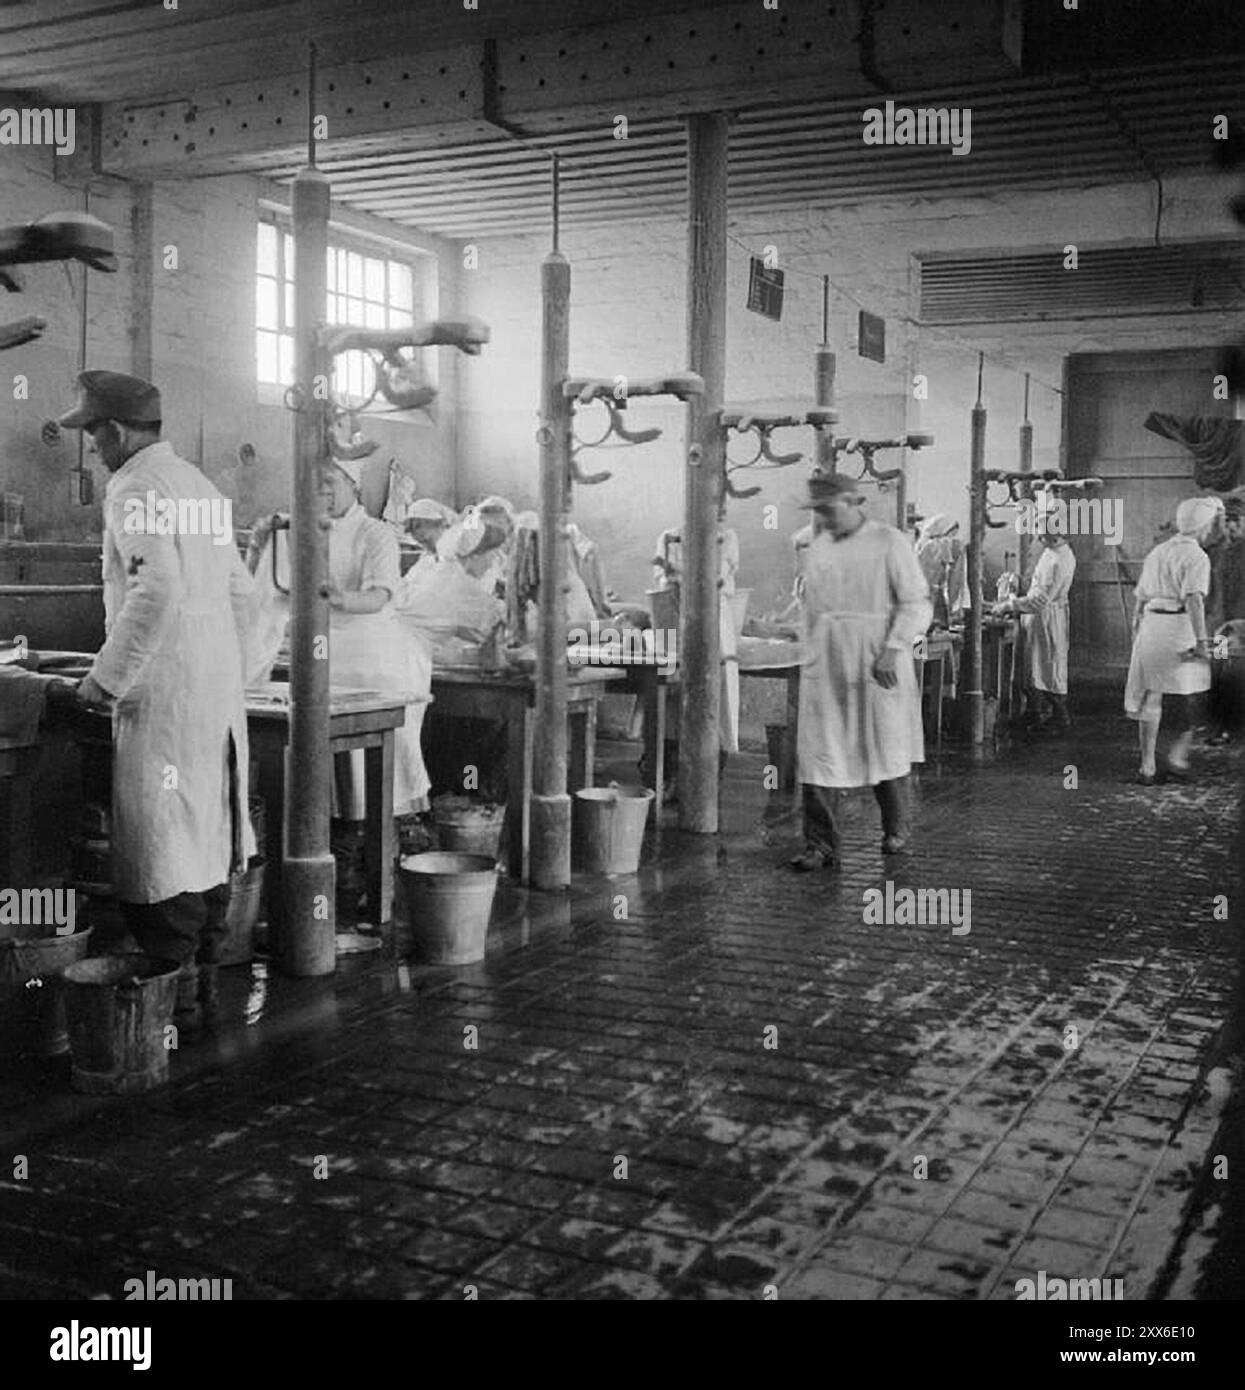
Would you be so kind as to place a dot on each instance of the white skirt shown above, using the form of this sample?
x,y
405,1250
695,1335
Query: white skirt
x,y
1158,665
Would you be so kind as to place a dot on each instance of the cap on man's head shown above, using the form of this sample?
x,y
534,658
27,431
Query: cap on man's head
x,y
113,396
823,488
427,509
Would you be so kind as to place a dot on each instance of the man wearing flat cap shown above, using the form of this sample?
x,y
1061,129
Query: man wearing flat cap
x,y
176,606
865,602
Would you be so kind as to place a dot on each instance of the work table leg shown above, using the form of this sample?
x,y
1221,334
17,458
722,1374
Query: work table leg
x,y
378,830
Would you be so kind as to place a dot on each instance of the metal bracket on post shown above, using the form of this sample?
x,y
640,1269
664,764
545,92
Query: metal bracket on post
x,y
585,390
867,448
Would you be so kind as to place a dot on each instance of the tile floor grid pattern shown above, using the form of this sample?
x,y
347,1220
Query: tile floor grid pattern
x,y
643,1036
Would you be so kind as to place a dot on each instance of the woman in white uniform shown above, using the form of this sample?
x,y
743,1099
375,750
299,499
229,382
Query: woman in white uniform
x,y
369,649
668,572
1045,622
941,555
1171,649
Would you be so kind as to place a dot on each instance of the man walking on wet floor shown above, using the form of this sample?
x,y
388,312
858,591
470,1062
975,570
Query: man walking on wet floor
x,y
865,604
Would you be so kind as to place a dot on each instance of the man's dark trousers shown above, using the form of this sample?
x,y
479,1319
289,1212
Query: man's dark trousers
x,y
188,928
821,808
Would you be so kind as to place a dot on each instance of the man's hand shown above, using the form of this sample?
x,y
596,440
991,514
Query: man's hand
x,y
886,669
92,694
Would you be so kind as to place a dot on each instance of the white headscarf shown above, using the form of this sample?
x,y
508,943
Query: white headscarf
x,y
940,524
1196,515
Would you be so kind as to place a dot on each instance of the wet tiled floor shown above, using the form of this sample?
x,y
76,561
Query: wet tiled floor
x,y
713,1080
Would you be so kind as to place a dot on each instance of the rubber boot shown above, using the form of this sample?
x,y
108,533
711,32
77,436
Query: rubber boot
x,y
1060,721
187,1015
208,994
894,799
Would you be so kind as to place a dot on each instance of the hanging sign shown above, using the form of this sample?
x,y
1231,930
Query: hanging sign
x,y
872,341
764,289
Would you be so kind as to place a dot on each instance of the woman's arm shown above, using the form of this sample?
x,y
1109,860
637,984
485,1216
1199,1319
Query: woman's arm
x,y
360,601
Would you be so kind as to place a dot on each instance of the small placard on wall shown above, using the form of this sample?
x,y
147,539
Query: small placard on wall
x,y
872,337
764,289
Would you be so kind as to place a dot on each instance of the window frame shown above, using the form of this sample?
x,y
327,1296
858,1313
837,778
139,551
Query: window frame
x,y
344,243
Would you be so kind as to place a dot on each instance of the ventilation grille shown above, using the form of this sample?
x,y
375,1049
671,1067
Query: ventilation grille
x,y
986,287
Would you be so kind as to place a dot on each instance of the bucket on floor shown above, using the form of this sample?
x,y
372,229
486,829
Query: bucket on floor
x,y
465,826
118,1008
449,898
609,828
246,896
32,994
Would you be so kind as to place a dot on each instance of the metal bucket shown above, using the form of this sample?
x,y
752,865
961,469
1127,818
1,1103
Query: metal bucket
x,y
468,827
32,995
449,899
119,1007
609,828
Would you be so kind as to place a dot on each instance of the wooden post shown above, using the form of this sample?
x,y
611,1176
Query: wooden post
x,y
700,652
1026,466
823,384
307,943
976,569
551,806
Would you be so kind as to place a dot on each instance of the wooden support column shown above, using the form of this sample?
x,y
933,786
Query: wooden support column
x,y
307,943
700,652
976,570
1026,466
551,806
823,383
142,274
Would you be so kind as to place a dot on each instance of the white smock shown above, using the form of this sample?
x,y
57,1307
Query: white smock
x,y
862,594
367,651
670,548
1045,621
177,608
373,651
1173,570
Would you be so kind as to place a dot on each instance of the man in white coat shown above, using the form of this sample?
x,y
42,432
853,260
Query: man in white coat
x,y
865,603
177,603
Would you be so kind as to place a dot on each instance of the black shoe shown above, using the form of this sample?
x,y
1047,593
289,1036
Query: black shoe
x,y
1144,779
812,860
1183,776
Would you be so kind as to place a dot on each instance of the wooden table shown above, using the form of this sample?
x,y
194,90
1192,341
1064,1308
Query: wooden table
x,y
511,697
357,719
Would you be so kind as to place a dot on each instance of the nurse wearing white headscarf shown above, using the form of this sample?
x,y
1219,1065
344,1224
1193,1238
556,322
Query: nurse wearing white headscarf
x,y
1171,649
940,553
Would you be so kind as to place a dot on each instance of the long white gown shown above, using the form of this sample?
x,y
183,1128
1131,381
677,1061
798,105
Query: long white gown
x,y
1045,609
862,594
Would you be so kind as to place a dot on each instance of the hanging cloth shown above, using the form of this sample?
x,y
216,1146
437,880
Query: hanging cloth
x,y
1215,443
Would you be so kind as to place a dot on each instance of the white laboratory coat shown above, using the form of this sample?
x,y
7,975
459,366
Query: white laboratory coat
x,y
176,611
862,594
1045,609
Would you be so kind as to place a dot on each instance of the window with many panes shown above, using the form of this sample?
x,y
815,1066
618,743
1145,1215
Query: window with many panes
x,y
365,289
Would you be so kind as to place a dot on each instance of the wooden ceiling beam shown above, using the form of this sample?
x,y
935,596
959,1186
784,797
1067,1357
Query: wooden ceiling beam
x,y
665,65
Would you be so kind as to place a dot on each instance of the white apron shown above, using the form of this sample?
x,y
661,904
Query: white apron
x,y
177,609
859,593
374,651
1045,620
